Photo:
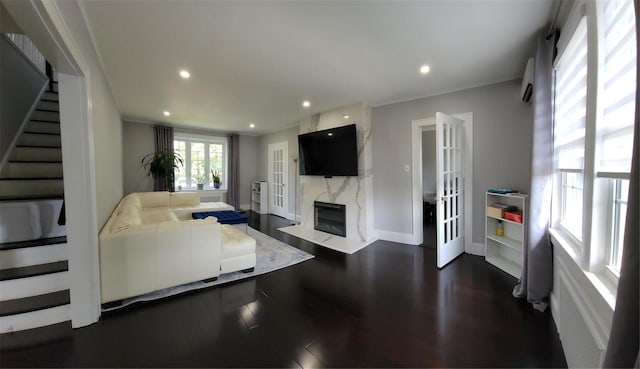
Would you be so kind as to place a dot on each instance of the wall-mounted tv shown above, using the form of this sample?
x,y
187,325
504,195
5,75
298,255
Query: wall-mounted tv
x,y
330,152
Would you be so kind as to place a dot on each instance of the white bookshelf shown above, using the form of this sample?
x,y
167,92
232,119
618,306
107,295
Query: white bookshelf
x,y
506,252
259,199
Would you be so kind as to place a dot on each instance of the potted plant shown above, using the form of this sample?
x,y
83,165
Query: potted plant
x,y
161,165
217,178
200,179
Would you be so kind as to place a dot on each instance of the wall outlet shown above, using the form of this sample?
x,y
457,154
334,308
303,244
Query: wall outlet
x,y
406,168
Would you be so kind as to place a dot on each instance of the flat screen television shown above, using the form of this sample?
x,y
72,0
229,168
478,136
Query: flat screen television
x,y
330,152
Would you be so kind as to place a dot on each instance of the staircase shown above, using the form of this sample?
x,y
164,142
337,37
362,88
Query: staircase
x,y
34,280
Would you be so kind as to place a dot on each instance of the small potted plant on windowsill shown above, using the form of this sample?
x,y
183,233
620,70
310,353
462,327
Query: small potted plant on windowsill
x,y
217,179
200,179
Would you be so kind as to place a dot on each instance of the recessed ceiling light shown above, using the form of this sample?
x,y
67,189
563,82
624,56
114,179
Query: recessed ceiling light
x,y
252,125
185,74
346,117
306,103
330,134
424,69
166,113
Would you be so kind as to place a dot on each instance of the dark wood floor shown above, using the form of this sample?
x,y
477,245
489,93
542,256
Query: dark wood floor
x,y
385,306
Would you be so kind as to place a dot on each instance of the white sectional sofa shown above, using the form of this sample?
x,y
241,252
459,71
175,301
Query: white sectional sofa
x,y
150,242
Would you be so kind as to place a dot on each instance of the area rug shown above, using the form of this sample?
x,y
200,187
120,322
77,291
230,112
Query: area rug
x,y
271,255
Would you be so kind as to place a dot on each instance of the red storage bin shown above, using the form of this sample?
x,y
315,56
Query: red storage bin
x,y
514,216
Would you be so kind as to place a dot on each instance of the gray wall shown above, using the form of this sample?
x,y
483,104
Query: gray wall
x,y
291,136
107,123
20,85
7,23
137,142
429,161
502,149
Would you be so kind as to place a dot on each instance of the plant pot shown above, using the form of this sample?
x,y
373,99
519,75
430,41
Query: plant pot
x,y
201,186
216,185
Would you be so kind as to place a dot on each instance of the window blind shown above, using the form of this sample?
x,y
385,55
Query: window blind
x,y
571,101
619,87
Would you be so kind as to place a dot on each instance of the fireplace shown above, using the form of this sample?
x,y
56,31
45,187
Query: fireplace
x,y
330,218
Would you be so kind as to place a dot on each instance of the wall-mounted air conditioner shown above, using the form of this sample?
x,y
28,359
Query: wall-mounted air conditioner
x,y
526,91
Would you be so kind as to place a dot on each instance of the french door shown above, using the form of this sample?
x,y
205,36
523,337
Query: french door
x,y
450,188
278,179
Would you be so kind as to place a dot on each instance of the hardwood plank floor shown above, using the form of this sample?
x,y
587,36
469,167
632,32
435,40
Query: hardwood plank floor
x,y
384,306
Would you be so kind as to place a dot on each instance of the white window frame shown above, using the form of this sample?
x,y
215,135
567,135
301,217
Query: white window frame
x,y
206,140
593,254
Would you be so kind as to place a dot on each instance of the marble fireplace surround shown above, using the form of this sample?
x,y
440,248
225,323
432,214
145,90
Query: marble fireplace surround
x,y
354,192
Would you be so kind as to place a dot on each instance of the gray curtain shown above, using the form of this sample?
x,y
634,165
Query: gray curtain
x,y
234,170
536,279
622,349
164,142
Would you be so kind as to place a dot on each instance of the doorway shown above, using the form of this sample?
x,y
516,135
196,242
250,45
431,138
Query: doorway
x,y
418,192
429,187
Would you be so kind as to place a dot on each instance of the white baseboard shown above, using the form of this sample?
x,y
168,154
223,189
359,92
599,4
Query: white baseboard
x,y
245,207
395,237
476,249
293,217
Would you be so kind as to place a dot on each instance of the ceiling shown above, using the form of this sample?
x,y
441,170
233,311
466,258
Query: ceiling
x,y
255,62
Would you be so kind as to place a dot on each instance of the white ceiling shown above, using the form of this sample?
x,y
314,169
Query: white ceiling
x,y
257,61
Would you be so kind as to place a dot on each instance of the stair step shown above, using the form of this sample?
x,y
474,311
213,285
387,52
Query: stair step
x,y
50,96
36,154
39,140
15,169
34,303
35,319
45,115
33,271
48,110
28,256
58,196
36,336
24,287
26,188
33,243
46,104
43,127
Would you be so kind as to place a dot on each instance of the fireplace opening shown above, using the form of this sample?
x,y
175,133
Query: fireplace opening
x,y
330,218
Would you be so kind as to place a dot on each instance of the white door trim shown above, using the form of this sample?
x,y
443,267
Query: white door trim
x,y
416,177
42,21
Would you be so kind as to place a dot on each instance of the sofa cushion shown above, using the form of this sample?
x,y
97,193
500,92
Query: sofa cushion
x,y
131,201
184,212
236,243
154,199
184,199
126,220
158,215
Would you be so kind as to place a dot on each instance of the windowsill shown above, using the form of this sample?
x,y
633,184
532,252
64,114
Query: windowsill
x,y
600,281
206,190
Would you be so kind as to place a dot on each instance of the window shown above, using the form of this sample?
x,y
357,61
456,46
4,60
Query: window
x,y
201,154
619,200
569,127
593,131
614,126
